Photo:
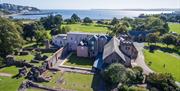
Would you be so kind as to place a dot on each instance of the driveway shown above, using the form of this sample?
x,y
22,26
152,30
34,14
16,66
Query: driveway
x,y
140,61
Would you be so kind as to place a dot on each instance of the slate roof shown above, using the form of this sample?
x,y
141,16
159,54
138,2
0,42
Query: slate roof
x,y
113,47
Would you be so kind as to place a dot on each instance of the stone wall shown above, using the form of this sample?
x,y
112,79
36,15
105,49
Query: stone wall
x,y
57,56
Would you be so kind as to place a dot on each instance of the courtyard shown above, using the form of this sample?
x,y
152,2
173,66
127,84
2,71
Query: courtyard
x,y
75,61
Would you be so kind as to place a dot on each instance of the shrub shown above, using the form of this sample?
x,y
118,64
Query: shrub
x,y
162,81
24,53
131,88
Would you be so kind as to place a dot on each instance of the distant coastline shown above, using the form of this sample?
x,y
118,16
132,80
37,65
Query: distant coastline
x,y
95,14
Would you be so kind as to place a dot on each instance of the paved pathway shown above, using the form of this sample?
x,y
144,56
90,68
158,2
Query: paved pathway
x,y
6,74
140,61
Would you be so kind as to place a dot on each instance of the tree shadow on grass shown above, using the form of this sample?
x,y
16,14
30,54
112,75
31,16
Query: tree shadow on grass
x,y
98,83
152,48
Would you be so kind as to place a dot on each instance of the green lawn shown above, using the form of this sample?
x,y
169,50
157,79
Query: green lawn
x,y
10,84
28,58
72,81
79,62
11,70
175,27
77,82
159,58
91,28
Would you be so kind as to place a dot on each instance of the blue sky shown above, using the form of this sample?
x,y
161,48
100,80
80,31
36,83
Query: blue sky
x,y
96,4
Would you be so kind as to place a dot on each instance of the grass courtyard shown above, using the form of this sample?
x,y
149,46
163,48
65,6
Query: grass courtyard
x,y
71,81
174,27
75,61
159,58
90,28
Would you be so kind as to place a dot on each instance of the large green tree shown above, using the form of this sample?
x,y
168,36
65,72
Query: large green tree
x,y
87,20
152,37
169,39
42,35
114,21
30,29
162,82
10,36
51,21
75,18
118,28
115,73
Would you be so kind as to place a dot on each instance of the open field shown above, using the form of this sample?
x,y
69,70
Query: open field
x,y
75,81
174,27
163,62
10,84
79,62
90,28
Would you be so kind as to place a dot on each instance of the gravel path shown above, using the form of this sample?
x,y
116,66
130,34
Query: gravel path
x,y
6,74
140,61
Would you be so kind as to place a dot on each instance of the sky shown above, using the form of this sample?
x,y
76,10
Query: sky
x,y
96,4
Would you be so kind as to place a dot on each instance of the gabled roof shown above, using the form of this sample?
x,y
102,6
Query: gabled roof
x,y
113,47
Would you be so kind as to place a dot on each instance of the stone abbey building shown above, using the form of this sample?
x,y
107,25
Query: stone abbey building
x,y
101,47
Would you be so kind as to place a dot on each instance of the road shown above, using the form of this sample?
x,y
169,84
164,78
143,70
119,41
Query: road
x,y
140,61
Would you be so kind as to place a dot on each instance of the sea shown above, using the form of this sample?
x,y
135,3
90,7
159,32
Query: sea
x,y
93,14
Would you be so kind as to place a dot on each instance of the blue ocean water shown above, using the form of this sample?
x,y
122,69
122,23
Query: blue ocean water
x,y
93,14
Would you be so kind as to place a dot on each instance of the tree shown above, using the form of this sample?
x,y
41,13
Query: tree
x,y
51,21
41,36
100,22
114,21
118,28
1,61
64,30
115,73
162,81
153,38
138,71
87,20
126,23
30,29
169,39
10,37
75,18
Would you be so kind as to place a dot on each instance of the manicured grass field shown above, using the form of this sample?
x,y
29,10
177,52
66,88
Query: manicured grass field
x,y
11,70
79,62
72,81
163,62
10,84
90,28
175,27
